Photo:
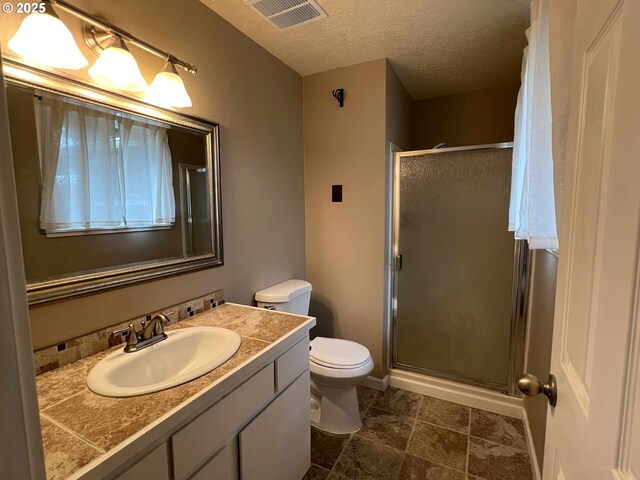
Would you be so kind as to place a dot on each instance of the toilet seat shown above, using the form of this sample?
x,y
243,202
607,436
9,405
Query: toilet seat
x,y
339,367
337,358
337,353
328,372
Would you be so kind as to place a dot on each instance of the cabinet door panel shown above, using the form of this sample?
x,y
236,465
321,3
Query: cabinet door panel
x,y
276,444
202,438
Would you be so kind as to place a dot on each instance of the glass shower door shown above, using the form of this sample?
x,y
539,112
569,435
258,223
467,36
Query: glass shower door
x,y
453,293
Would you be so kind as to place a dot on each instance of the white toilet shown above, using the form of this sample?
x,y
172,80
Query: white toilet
x,y
336,366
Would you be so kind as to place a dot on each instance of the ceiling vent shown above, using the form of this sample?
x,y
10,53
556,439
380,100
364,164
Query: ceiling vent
x,y
285,14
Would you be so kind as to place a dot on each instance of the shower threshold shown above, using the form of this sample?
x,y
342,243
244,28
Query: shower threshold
x,y
463,393
496,387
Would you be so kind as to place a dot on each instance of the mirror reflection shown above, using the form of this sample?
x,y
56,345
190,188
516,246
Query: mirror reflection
x,y
101,189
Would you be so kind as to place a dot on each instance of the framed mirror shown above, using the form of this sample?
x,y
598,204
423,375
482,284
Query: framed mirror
x,y
111,191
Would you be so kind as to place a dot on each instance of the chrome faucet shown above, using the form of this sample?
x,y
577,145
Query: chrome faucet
x,y
152,332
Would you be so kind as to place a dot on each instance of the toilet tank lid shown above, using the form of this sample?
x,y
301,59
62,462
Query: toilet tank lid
x,y
283,292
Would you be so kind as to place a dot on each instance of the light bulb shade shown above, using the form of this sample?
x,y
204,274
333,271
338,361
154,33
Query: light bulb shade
x,y
42,38
167,90
116,68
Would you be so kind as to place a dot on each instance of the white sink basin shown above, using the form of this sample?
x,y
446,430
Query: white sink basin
x,y
185,355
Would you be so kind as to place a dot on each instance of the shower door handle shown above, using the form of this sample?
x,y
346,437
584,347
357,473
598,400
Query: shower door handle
x,y
398,261
531,386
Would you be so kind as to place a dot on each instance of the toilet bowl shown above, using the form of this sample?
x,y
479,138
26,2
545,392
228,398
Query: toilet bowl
x,y
336,366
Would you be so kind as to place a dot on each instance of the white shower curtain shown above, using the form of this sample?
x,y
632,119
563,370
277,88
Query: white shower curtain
x,y
532,214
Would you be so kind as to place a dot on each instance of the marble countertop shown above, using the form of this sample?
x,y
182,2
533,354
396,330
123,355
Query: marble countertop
x,y
79,427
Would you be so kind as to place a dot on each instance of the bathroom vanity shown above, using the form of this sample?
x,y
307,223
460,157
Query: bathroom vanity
x,y
248,419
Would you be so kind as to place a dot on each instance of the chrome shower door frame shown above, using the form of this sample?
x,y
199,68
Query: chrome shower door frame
x,y
520,288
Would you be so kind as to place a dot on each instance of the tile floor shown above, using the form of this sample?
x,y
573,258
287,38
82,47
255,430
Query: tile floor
x,y
408,436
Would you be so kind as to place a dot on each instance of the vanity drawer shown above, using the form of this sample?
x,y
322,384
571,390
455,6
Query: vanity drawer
x,y
155,465
203,437
292,363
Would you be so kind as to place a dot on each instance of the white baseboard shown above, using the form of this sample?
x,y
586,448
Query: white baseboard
x,y
455,392
376,383
532,450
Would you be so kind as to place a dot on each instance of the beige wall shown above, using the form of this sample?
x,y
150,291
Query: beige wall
x,y
258,102
399,106
540,317
472,118
345,241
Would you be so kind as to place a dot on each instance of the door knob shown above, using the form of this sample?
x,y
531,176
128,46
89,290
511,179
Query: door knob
x,y
531,386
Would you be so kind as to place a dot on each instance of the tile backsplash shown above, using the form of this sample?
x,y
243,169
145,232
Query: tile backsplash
x,y
74,349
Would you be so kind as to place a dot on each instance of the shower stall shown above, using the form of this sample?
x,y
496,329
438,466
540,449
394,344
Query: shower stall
x,y
460,278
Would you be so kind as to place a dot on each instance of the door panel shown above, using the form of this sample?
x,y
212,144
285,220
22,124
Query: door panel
x,y
594,432
586,237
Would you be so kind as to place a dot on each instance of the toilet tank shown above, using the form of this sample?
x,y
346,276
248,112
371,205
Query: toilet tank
x,y
291,296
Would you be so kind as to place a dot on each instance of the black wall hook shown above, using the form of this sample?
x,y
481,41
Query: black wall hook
x,y
338,94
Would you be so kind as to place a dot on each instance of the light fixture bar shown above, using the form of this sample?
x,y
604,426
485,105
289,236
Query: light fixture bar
x,y
122,34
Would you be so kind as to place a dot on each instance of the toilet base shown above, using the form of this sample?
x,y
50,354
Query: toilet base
x,y
335,410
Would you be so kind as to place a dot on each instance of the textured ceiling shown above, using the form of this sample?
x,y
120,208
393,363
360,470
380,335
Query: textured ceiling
x,y
437,47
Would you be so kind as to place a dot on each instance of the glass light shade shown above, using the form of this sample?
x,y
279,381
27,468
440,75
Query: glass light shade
x,y
42,38
167,90
116,68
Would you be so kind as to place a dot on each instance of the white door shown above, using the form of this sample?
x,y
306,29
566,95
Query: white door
x,y
594,432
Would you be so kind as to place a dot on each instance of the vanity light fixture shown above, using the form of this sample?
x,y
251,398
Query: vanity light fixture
x,y
44,39
167,89
116,68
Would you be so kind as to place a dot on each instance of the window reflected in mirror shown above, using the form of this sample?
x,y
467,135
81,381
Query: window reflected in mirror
x,y
101,170
102,189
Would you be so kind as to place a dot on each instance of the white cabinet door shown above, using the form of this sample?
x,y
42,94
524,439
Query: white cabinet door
x,y
594,432
276,444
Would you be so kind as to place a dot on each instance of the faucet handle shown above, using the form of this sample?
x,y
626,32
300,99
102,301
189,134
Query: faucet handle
x,y
120,331
130,332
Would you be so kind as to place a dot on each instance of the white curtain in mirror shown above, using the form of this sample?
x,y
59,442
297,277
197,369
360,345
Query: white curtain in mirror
x,y
49,121
148,187
101,170
80,164
532,214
